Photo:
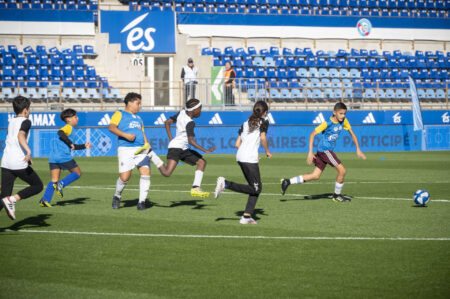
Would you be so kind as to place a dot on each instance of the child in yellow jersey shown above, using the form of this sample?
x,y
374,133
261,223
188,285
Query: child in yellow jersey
x,y
129,128
330,130
61,158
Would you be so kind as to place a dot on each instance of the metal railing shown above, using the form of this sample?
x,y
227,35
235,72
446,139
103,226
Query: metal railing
x,y
172,95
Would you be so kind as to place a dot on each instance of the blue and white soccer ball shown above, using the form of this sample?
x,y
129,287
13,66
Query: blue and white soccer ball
x,y
421,197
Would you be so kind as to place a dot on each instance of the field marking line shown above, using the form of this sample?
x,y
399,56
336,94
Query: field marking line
x,y
233,193
227,236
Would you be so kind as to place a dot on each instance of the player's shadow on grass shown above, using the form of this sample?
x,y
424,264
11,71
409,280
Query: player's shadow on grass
x,y
133,203
76,201
240,213
196,204
30,222
310,197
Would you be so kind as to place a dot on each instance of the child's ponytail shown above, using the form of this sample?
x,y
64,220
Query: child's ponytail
x,y
256,120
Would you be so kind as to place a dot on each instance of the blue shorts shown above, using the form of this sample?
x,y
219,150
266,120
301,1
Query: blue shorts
x,y
64,166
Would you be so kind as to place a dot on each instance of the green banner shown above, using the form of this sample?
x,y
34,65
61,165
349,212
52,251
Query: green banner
x,y
217,85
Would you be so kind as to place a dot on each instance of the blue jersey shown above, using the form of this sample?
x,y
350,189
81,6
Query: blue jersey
x,y
330,133
129,123
60,152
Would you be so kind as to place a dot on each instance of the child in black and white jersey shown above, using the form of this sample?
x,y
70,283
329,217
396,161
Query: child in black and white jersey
x,y
16,159
251,134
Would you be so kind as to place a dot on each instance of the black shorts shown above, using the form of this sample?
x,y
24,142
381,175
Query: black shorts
x,y
64,166
188,156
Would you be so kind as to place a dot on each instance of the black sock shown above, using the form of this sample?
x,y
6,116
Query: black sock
x,y
245,216
194,187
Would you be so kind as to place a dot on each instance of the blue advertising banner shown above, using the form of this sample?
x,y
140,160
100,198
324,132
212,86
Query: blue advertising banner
x,y
140,32
282,139
236,118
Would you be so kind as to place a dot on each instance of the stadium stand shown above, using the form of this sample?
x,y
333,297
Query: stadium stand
x,y
374,71
40,74
354,8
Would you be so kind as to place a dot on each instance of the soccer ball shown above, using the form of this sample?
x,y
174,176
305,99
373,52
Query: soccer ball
x,y
421,197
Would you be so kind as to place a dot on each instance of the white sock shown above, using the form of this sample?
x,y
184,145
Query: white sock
x,y
198,178
144,186
338,188
120,185
297,180
156,160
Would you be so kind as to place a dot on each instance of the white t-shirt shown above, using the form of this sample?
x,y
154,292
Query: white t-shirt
x,y
248,151
185,128
14,154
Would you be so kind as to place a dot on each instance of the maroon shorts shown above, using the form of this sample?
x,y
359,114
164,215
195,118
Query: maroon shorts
x,y
324,158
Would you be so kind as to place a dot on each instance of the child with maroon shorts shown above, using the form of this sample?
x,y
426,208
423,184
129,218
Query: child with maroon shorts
x,y
330,130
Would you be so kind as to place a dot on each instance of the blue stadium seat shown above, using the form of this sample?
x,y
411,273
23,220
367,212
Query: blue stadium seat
x,y
297,94
370,94
274,93
67,94
354,73
323,72
344,73
336,83
313,72
268,61
440,94
430,94
334,73
258,61
302,72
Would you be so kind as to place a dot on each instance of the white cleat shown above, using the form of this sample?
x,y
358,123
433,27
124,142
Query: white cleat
x,y
247,220
220,186
10,207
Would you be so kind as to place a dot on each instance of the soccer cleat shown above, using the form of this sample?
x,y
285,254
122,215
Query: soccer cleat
x,y
141,206
58,188
116,202
199,192
145,149
220,186
10,207
44,203
250,220
340,198
284,185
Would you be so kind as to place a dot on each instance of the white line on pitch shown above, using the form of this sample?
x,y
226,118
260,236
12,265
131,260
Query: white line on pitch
x,y
231,193
228,236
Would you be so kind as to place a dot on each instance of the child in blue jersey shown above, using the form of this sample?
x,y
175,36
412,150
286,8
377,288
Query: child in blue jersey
x,y
129,127
61,158
330,130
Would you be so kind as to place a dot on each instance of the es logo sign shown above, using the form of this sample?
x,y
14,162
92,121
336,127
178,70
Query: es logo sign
x,y
135,35
139,32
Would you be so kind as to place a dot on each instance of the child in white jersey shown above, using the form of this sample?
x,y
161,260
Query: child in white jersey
x,y
178,146
16,159
251,134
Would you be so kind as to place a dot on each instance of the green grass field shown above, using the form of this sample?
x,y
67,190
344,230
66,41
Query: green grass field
x,y
378,246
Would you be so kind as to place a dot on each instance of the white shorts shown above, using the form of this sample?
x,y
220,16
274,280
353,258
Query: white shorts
x,y
128,161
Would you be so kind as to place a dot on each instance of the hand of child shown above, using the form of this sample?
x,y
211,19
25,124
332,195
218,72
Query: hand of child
x,y
360,154
211,150
269,155
88,145
130,137
310,158
72,147
27,158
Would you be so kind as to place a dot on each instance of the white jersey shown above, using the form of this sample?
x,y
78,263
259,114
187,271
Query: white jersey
x,y
185,128
14,154
190,74
248,151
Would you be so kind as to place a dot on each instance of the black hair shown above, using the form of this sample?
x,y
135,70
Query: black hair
x,y
20,103
67,113
255,120
131,97
340,106
191,103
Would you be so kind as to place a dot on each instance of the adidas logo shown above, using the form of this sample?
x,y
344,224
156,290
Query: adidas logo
x,y
216,120
105,120
270,118
319,119
161,119
369,119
